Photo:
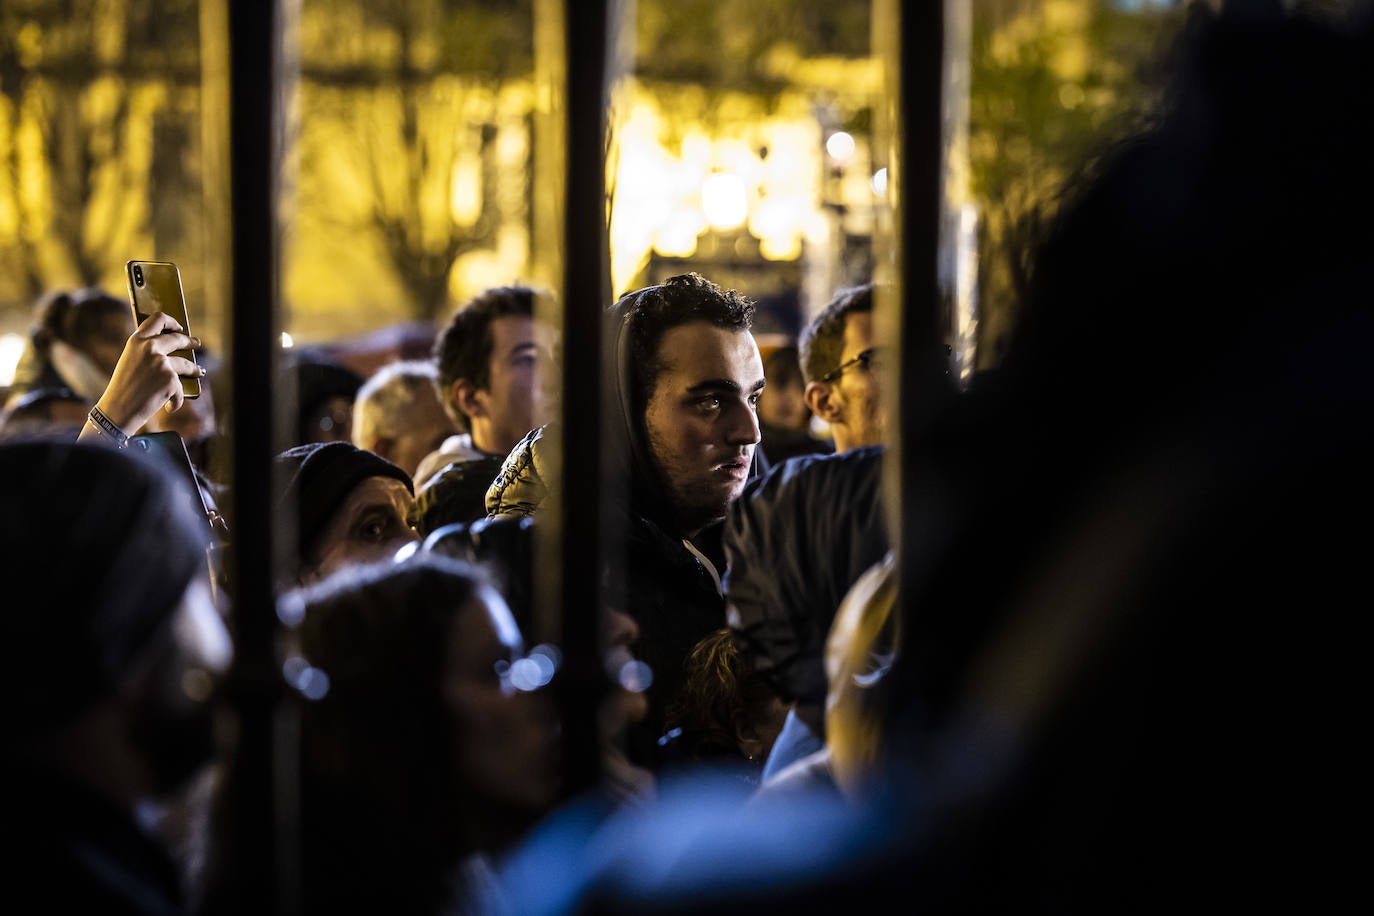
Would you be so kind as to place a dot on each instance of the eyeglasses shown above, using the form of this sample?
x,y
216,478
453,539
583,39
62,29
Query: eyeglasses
x,y
867,360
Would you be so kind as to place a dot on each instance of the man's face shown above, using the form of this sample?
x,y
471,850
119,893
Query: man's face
x,y
702,421
859,388
517,397
372,524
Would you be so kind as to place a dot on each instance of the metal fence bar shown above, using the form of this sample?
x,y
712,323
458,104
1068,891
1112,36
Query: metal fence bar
x,y
586,291
244,82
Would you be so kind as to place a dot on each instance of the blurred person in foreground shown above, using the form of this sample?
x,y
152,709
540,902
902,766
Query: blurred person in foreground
x,y
43,412
1125,671
110,682
431,745
324,390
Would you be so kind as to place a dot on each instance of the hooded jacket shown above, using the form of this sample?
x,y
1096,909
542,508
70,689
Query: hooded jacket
x,y
670,585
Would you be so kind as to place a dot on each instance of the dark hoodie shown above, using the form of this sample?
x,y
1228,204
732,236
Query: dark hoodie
x,y
671,586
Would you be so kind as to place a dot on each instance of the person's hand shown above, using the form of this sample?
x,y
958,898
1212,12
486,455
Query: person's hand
x,y
147,376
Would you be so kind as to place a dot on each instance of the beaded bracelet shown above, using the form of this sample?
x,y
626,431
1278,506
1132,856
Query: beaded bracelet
x,y
106,425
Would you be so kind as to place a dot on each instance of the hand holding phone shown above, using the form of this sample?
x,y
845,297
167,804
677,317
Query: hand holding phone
x,y
158,368
155,286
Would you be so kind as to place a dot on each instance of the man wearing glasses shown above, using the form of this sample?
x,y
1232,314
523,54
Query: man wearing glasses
x,y
840,363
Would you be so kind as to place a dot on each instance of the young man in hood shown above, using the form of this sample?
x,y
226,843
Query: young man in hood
x,y
688,377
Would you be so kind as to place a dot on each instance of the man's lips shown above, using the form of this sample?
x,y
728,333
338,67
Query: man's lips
x,y
739,467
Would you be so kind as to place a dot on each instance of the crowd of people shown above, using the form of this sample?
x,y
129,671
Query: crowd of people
x,y
1097,661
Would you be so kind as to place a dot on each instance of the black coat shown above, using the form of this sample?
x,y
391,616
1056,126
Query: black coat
x,y
795,541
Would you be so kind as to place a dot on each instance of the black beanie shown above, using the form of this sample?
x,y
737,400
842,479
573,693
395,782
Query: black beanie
x,y
315,478
108,541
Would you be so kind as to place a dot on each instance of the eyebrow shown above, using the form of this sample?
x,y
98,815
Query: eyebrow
x,y
523,345
723,384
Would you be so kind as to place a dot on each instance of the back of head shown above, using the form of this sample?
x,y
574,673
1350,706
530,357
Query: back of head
x,y
381,808
822,339
76,337
317,382
109,543
725,710
76,317
1145,518
1175,240
503,547
385,400
378,633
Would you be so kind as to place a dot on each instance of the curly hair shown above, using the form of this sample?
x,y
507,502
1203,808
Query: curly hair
x,y
651,312
722,698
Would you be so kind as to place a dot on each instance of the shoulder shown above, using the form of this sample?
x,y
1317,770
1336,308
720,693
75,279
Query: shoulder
x,y
456,493
520,485
455,448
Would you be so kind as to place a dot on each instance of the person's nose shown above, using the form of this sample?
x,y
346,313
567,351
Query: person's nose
x,y
744,426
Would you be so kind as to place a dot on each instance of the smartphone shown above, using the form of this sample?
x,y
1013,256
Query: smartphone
x,y
155,286
168,450
168,447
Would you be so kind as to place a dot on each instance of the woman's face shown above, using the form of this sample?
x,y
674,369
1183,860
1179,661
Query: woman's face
x,y
507,747
370,526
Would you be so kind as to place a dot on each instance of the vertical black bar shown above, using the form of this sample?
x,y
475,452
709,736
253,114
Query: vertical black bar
x,y
258,833
919,161
586,291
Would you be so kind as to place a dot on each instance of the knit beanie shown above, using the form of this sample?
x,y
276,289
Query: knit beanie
x,y
314,479
107,541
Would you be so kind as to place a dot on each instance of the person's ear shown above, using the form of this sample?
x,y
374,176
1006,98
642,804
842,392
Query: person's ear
x,y
468,398
820,397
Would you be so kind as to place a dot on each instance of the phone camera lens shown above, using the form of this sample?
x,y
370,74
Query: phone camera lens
x,y
138,276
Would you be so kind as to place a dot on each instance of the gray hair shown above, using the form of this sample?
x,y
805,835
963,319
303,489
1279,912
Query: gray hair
x,y
382,407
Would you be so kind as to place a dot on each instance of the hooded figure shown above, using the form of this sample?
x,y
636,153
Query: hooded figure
x,y
666,568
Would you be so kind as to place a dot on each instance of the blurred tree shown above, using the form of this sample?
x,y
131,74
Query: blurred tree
x,y
86,88
745,47
402,80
